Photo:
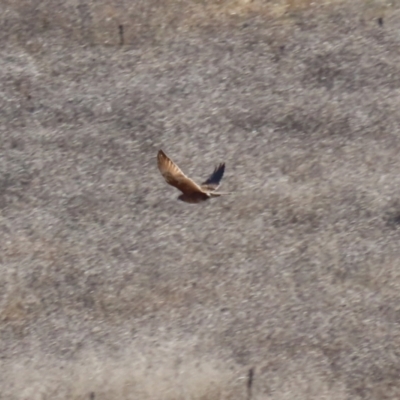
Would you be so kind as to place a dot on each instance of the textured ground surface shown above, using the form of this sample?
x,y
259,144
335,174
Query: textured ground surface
x,y
112,289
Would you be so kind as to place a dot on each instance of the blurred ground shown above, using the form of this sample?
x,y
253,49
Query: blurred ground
x,y
111,288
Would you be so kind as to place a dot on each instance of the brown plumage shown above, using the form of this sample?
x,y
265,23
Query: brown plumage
x,y
192,192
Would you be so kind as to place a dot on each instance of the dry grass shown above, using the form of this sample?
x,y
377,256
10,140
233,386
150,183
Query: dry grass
x,y
110,286
96,23
161,375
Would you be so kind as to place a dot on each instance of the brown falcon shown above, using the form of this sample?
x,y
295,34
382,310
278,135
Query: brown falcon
x,y
192,192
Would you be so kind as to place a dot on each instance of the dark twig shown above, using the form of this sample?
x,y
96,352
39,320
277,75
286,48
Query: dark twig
x,y
121,34
250,378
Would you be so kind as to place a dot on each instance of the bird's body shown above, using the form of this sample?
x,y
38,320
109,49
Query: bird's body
x,y
191,191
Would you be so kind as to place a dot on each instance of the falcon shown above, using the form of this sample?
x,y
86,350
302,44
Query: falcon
x,y
192,192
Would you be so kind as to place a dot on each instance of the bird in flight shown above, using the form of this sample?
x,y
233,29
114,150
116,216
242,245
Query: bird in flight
x,y
192,192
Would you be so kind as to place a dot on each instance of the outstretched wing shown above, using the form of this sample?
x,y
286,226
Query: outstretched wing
x,y
213,182
174,176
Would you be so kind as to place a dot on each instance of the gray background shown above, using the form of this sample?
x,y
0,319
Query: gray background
x,y
113,289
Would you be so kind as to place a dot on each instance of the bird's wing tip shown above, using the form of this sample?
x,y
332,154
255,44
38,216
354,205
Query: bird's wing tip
x,y
161,154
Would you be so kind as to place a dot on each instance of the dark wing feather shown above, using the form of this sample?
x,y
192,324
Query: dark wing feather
x,y
175,177
212,183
